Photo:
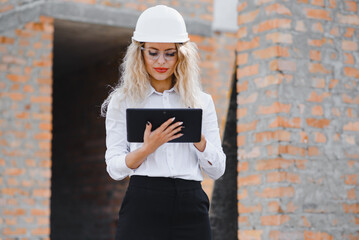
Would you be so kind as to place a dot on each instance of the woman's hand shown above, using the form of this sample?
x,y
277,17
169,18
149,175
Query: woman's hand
x,y
153,140
201,145
165,133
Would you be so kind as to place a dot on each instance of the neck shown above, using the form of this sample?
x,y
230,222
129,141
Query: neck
x,y
161,86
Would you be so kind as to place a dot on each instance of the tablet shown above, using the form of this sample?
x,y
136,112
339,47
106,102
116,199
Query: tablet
x,y
136,119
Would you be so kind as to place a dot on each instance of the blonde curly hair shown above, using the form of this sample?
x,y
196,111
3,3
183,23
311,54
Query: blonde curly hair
x,y
135,81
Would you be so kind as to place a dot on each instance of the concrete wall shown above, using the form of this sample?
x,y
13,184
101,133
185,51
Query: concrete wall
x,y
298,119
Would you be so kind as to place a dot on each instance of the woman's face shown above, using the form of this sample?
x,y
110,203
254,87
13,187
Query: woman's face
x,y
160,60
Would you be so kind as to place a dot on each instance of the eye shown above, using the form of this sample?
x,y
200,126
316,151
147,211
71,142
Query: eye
x,y
170,54
152,53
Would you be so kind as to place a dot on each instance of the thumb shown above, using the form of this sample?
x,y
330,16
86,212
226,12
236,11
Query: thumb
x,y
147,130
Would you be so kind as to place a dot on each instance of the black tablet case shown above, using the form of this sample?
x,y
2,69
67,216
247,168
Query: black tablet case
x,y
137,118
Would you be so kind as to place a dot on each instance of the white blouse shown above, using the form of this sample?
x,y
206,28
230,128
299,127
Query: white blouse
x,y
175,160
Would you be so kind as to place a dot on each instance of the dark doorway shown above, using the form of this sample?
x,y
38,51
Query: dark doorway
x,y
85,200
224,213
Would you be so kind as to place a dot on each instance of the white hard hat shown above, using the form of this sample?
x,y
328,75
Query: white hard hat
x,y
160,24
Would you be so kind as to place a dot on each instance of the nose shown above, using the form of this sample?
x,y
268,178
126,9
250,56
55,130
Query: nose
x,y
161,59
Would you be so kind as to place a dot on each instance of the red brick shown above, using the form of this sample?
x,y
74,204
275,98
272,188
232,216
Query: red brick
x,y
249,209
16,231
247,71
349,59
242,59
244,127
241,6
315,55
278,192
291,150
40,212
318,123
241,140
350,100
349,45
268,80
333,83
14,212
242,45
249,180
271,164
351,208
274,220
243,194
250,234
318,14
280,135
242,166
309,235
241,112
278,37
43,136
351,126
283,177
318,3
282,65
317,110
267,25
351,72
248,17
320,137
351,6
349,33
46,193
242,32
277,9
351,179
41,231
276,107
318,68
348,19
241,100
270,52
313,151
315,97
285,122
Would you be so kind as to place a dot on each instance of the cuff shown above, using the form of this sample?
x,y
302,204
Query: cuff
x,y
118,168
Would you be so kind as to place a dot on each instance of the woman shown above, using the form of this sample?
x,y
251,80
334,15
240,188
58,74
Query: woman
x,y
164,199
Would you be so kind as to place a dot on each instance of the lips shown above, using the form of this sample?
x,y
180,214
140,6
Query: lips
x,y
161,70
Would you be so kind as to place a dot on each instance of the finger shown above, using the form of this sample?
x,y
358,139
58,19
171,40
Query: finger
x,y
147,130
172,127
166,124
175,136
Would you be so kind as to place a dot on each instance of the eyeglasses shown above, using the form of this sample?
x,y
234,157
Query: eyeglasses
x,y
154,54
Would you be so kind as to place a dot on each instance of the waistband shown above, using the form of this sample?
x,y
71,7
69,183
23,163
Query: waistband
x,y
163,183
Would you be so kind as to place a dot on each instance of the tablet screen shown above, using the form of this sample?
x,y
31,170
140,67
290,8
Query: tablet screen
x,y
136,119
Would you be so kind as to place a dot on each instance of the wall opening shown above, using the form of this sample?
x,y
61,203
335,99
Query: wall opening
x,y
85,200
224,214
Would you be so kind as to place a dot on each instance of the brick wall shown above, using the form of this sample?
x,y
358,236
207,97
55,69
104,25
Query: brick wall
x,y
28,159
298,123
25,130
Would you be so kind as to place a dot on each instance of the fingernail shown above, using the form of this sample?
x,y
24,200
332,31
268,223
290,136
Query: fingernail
x,y
180,123
148,123
173,119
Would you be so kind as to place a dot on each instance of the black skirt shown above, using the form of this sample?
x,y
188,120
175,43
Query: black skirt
x,y
158,208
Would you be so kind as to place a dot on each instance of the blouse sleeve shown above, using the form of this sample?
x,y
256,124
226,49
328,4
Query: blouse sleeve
x,y
116,141
212,160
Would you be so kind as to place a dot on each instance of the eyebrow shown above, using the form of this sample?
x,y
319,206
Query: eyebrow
x,y
164,50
